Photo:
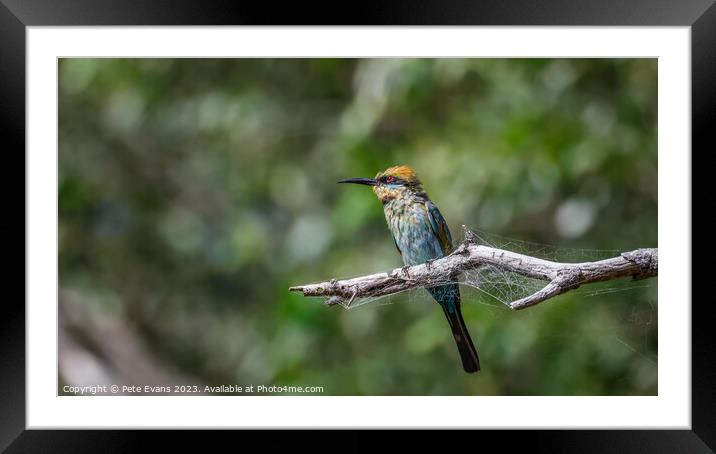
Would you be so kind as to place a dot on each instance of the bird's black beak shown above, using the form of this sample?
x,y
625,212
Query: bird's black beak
x,y
365,181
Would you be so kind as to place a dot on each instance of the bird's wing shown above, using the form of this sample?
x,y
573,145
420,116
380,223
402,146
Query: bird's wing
x,y
440,227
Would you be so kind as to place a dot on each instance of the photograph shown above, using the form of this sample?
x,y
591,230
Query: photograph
x,y
357,226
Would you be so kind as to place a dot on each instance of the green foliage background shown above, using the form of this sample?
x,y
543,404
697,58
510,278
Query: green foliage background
x,y
194,192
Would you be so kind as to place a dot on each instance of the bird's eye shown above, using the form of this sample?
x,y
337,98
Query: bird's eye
x,y
390,179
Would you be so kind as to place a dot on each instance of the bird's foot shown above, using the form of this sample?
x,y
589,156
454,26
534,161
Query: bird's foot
x,y
404,270
429,264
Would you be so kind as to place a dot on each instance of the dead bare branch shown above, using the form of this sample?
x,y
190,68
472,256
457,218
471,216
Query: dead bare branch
x,y
560,277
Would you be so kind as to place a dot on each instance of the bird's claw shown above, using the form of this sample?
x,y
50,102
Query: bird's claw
x,y
404,270
429,264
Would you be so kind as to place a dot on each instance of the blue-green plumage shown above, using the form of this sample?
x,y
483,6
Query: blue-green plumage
x,y
421,234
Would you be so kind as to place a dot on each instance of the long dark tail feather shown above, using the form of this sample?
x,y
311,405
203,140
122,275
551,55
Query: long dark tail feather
x,y
449,298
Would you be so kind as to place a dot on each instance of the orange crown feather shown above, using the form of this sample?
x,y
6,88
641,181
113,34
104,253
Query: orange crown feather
x,y
402,172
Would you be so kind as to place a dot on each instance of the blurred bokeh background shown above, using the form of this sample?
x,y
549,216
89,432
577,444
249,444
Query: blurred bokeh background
x,y
194,192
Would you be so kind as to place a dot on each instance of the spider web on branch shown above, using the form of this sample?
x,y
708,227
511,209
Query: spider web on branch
x,y
497,288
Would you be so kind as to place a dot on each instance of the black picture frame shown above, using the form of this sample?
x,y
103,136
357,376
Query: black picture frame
x,y
699,15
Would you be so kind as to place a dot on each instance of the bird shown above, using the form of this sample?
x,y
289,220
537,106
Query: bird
x,y
421,235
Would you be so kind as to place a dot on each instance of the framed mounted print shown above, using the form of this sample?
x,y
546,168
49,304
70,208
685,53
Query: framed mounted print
x,y
423,217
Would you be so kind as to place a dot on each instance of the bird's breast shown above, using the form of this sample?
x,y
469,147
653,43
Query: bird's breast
x,y
409,223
